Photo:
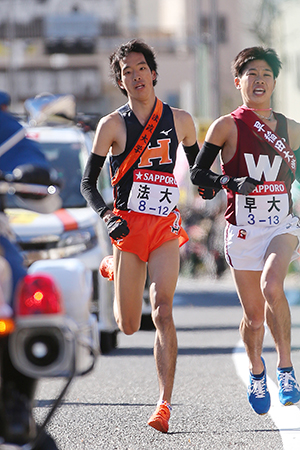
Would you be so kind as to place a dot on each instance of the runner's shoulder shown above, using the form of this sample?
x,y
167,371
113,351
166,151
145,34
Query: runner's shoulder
x,y
111,120
111,124
181,115
221,130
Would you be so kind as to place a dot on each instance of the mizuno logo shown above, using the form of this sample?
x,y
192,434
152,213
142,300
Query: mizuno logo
x,y
166,132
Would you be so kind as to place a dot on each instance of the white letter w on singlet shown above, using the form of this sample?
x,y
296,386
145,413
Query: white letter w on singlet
x,y
263,167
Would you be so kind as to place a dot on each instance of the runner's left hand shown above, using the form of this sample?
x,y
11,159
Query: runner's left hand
x,y
117,227
207,193
243,185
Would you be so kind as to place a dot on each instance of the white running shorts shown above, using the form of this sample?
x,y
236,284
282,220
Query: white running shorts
x,y
246,246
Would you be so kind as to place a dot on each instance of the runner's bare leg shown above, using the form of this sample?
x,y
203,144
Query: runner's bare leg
x,y
278,315
129,281
163,273
252,324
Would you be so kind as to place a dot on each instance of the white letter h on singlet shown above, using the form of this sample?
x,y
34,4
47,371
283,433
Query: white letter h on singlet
x,y
263,167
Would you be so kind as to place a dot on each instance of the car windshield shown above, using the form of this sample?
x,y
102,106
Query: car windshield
x,y
66,159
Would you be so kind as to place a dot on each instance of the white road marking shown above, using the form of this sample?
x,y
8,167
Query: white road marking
x,y
286,418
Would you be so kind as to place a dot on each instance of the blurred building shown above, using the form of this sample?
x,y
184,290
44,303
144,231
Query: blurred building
x,y
286,38
63,47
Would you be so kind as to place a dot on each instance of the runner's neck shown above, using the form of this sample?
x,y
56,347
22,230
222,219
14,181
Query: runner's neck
x,y
142,110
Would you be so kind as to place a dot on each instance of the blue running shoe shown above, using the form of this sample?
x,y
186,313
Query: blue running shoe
x,y
258,394
289,390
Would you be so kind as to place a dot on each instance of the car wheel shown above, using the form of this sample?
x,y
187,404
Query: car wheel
x,y
147,323
108,341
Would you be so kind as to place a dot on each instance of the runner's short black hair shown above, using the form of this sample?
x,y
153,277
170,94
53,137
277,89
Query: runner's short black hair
x,y
136,46
254,53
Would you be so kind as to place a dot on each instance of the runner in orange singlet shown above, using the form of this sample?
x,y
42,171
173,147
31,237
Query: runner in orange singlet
x,y
145,225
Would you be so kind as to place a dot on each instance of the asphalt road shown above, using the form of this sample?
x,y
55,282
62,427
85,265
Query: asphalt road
x,y
108,409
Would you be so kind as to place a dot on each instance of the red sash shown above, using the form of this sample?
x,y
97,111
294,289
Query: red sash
x,y
141,143
262,130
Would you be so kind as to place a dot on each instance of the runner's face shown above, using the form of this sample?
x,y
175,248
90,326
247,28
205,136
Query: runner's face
x,y
136,76
256,84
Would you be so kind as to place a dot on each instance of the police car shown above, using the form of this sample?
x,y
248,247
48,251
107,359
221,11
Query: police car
x,y
74,230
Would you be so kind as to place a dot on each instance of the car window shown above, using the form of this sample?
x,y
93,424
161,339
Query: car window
x,y
66,160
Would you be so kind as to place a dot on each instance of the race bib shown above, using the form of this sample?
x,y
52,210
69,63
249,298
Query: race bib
x,y
153,192
266,206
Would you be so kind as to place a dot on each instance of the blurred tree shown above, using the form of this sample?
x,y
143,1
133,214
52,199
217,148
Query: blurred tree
x,y
266,13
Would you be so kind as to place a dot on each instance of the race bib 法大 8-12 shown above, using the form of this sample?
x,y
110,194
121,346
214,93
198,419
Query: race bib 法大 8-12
x,y
153,192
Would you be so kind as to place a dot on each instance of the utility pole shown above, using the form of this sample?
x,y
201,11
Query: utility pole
x,y
11,34
133,17
201,66
196,46
216,109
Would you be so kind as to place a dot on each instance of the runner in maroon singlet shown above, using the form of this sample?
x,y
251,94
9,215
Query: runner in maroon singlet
x,y
258,163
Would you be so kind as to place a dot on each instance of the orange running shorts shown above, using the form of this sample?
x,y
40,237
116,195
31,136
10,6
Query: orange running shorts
x,y
148,232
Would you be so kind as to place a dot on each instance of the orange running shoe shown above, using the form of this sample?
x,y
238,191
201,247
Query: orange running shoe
x,y
107,267
160,418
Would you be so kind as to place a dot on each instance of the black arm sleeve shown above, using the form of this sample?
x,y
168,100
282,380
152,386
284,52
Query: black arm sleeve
x,y
191,152
201,175
89,184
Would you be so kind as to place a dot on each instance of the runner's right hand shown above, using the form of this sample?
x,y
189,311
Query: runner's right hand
x,y
117,227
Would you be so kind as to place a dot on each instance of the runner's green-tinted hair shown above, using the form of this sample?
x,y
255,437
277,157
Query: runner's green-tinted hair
x,y
254,53
136,46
